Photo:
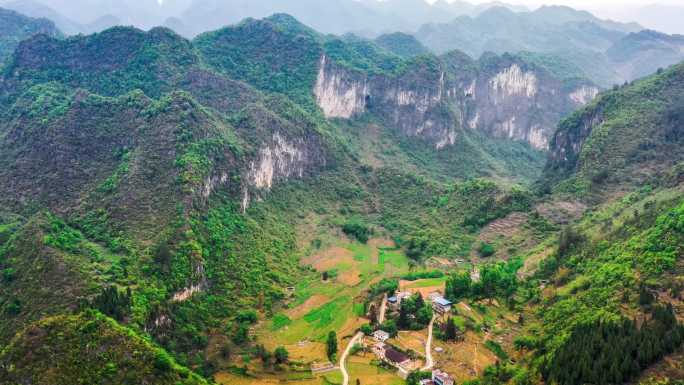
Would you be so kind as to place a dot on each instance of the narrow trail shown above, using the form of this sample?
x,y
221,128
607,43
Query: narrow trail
x,y
343,359
383,308
355,339
429,362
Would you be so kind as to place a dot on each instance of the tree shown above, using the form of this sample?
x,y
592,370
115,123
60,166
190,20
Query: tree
x,y
373,314
458,286
247,316
418,300
451,330
281,355
424,315
486,250
390,327
366,329
404,315
331,345
241,334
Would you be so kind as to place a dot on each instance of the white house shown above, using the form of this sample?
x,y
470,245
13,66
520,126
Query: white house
x,y
381,335
441,378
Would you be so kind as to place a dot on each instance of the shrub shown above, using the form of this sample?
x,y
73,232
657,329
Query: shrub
x,y
486,250
357,230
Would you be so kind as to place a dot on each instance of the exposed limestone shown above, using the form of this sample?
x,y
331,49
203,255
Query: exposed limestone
x,y
281,159
338,95
513,81
506,100
583,95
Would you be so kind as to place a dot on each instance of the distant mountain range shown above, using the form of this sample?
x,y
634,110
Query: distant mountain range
x,y
605,51
568,42
192,17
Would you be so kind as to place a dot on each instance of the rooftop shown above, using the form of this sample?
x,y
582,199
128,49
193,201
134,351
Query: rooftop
x,y
395,356
442,301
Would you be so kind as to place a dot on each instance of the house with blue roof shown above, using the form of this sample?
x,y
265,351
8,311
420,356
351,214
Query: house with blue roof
x,y
441,305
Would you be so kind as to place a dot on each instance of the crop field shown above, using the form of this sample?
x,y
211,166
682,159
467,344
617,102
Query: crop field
x,y
320,306
363,369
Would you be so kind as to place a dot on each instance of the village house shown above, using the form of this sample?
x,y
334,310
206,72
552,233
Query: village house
x,y
395,300
391,355
441,378
381,335
441,305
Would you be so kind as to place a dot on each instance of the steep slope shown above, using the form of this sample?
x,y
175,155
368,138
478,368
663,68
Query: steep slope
x,y
612,281
427,97
126,178
92,349
15,27
627,136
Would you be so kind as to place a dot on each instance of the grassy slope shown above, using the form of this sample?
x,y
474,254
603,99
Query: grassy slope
x,y
91,349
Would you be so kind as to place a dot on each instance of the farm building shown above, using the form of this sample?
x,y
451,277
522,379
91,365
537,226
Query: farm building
x,y
381,335
441,378
391,355
441,305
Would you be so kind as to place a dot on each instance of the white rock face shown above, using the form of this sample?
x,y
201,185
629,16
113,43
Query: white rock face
x,y
189,291
338,95
513,81
276,161
538,138
472,123
584,95
186,293
281,159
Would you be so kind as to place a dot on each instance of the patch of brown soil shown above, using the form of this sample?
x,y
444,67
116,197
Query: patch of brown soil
x,y
505,227
350,277
424,291
313,302
329,258
561,212
464,360
414,340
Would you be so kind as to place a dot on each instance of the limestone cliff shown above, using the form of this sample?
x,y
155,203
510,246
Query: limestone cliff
x,y
434,99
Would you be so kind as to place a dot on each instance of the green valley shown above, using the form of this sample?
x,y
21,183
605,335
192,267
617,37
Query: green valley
x,y
266,203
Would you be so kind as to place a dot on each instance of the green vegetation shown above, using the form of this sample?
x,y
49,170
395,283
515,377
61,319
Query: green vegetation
x,y
621,348
116,355
357,230
331,346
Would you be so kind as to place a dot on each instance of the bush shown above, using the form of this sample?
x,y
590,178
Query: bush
x,y
281,355
486,250
247,316
162,362
357,230
423,275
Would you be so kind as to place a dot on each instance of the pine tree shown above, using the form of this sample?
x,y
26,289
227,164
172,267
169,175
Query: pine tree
x,y
331,345
451,330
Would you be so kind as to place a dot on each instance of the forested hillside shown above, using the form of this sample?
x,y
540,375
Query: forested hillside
x,y
238,207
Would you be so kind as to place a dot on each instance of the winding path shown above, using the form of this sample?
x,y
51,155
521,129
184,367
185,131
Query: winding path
x,y
357,337
343,359
383,308
429,362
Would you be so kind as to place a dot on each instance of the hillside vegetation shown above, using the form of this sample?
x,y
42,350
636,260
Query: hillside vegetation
x,y
176,211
